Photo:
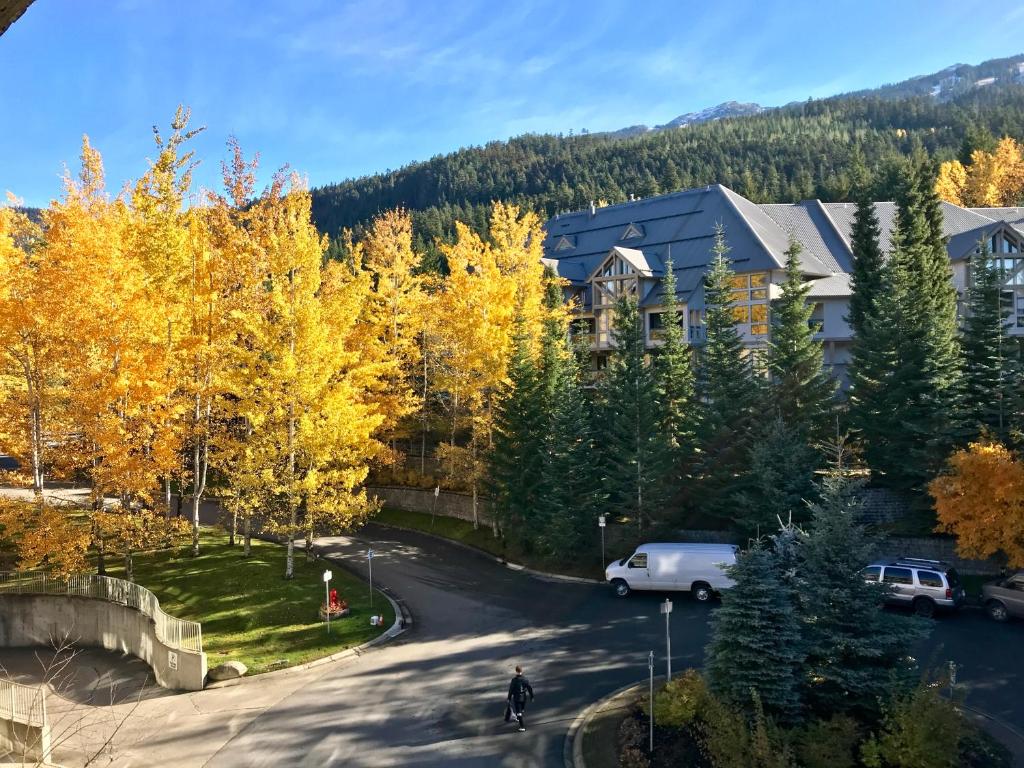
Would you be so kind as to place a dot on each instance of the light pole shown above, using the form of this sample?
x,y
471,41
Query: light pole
x,y
666,608
650,672
433,508
369,564
327,599
601,525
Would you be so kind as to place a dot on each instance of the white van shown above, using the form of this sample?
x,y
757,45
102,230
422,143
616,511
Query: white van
x,y
694,568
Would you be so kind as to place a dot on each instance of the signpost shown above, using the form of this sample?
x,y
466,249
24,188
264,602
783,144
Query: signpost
x,y
327,599
650,671
369,564
666,608
433,508
601,525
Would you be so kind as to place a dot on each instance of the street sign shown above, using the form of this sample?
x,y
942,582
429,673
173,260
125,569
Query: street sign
x,y
172,659
328,575
666,607
437,491
600,521
369,553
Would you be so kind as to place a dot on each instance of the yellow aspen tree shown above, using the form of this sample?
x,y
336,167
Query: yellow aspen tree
x,y
161,241
981,501
951,181
45,536
490,284
31,358
395,308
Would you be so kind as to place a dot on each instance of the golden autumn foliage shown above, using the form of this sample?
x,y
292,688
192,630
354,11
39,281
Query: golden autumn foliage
x,y
165,335
992,179
981,501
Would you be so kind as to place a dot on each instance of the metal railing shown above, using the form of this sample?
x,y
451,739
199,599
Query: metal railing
x,y
180,634
23,703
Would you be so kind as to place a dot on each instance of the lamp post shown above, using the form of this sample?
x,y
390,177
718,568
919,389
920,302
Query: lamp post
x,y
601,525
433,508
369,564
327,598
666,608
650,672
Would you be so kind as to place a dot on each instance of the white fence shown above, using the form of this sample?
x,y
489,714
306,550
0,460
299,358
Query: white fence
x,y
23,703
180,634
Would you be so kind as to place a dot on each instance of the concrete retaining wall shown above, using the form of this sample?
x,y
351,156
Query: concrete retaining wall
x,y
34,620
29,744
459,505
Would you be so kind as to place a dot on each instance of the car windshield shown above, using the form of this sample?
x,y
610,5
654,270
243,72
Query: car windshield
x,y
953,577
623,560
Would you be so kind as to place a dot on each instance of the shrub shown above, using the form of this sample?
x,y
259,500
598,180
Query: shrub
x,y
681,700
919,730
979,750
828,743
731,741
633,741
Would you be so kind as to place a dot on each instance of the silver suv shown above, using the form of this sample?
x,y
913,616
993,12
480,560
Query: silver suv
x,y
924,585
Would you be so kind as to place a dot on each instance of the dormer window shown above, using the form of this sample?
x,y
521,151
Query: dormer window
x,y
632,232
565,243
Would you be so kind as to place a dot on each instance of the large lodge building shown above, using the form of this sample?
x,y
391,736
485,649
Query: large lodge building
x,y
605,252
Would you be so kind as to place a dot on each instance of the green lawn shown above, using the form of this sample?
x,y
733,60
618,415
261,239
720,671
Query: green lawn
x,y
247,609
483,538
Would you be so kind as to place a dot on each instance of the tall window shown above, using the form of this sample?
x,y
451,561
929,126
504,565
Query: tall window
x,y
750,302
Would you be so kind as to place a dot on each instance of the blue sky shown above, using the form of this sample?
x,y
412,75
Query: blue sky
x,y
339,89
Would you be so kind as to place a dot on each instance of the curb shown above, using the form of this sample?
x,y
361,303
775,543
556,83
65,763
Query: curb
x,y
1002,727
572,747
495,558
403,622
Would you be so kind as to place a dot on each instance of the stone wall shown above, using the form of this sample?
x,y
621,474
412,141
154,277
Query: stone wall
x,y
458,505
32,620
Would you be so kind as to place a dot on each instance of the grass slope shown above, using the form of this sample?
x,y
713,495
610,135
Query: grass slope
x,y
247,609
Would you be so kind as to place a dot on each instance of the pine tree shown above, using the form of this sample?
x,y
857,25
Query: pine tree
x,y
636,451
990,372
779,480
729,388
756,640
866,275
801,391
516,457
570,486
857,653
674,371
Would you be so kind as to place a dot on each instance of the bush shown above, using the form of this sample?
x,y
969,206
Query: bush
x,y
919,730
633,741
680,701
730,741
979,750
828,743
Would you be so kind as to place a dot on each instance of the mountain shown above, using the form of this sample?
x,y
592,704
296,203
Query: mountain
x,y
723,110
804,150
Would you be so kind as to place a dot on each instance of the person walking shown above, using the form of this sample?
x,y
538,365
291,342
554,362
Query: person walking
x,y
518,690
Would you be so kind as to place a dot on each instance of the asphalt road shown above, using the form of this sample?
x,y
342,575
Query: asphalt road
x,y
435,698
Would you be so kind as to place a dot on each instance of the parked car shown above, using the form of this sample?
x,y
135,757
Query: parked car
x,y
924,585
694,568
1004,597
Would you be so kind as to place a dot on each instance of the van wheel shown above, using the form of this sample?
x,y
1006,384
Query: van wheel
x,y
924,607
621,588
996,610
701,592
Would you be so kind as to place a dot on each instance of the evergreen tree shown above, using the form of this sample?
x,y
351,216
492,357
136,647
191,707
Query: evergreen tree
x,y
801,391
857,653
990,371
516,459
570,483
756,642
729,388
779,479
866,274
906,371
636,451
675,377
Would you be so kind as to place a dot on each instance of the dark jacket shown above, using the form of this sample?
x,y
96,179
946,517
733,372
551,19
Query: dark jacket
x,y
519,688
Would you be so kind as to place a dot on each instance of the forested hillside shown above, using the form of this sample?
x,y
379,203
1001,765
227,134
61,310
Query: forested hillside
x,y
796,152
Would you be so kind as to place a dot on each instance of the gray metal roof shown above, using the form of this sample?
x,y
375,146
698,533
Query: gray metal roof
x,y
681,226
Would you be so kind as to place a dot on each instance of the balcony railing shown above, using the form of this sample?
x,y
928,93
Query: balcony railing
x,y
24,704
